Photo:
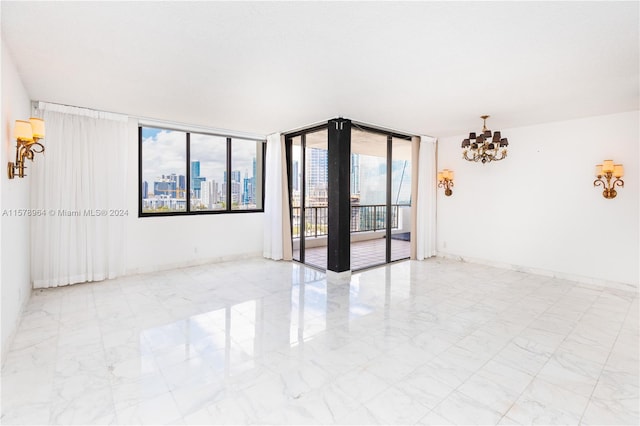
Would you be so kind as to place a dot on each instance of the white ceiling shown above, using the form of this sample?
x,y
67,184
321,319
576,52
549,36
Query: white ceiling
x,y
421,67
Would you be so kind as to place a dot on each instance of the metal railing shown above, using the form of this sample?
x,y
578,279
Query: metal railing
x,y
364,218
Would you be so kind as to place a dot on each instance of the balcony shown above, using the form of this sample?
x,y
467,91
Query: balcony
x,y
368,234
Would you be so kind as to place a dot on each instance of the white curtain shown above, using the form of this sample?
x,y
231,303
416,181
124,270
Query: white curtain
x,y
80,186
426,205
277,235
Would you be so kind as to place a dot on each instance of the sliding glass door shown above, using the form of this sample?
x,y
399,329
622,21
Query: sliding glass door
x,y
380,196
400,199
309,201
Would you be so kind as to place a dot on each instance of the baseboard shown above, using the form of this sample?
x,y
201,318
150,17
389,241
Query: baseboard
x,y
190,263
598,282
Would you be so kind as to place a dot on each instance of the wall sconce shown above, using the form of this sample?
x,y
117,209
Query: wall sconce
x,y
445,180
27,134
608,170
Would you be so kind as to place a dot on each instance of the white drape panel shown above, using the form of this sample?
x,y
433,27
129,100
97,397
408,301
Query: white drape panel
x,y
80,186
426,205
273,195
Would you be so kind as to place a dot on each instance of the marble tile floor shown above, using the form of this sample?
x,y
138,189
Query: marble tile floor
x,y
264,342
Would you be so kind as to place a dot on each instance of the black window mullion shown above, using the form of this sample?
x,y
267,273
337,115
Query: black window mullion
x,y
388,202
187,195
139,171
302,222
229,177
264,158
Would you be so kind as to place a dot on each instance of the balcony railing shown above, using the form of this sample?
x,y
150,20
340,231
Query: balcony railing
x,y
372,217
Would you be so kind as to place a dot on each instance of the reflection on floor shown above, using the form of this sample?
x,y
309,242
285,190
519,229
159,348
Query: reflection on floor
x,y
363,253
431,342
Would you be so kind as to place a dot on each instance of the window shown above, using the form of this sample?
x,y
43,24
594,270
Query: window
x,y
245,168
191,173
164,162
208,171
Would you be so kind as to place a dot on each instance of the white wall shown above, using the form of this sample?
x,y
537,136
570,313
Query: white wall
x,y
14,250
159,243
537,210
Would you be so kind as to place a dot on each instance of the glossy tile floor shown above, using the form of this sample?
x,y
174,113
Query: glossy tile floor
x,y
433,342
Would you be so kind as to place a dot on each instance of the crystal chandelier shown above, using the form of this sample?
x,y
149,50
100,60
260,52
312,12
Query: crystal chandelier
x,y
486,146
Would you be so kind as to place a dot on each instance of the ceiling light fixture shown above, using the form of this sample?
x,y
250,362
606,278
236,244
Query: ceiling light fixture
x,y
486,146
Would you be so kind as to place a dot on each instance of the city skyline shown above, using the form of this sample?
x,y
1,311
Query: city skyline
x,y
367,177
165,168
170,190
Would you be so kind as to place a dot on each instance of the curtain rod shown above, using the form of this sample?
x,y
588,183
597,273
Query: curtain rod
x,y
167,123
184,126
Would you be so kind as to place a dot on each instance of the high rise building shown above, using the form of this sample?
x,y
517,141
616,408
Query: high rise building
x,y
145,190
196,179
248,192
355,174
210,195
296,175
317,171
164,188
236,190
252,197
254,168
195,169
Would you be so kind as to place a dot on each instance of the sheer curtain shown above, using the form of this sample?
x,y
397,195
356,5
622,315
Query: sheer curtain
x,y
80,186
426,205
277,228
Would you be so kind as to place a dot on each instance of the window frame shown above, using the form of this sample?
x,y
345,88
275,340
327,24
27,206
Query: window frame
x,y
188,212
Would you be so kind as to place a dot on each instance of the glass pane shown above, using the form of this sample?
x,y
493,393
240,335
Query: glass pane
x,y
164,159
296,194
401,199
316,221
246,174
368,199
208,170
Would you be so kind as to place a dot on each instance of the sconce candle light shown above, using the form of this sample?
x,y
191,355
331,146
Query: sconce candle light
x,y
608,170
445,180
27,134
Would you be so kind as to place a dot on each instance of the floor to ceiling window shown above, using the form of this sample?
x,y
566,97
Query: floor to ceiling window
x,y
308,192
380,196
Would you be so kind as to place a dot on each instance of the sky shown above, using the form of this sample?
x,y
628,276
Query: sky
x,y
164,152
